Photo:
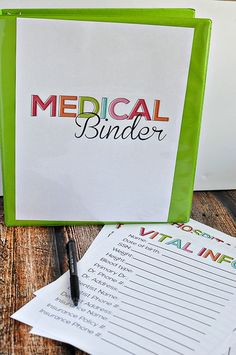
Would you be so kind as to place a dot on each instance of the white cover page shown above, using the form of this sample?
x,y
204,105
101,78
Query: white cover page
x,y
70,168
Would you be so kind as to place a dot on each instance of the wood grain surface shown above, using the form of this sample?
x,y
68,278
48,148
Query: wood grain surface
x,y
32,257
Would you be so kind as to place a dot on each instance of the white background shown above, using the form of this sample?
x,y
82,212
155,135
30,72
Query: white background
x,y
59,177
217,153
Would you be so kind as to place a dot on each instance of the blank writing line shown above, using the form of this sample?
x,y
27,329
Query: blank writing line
x,y
183,277
179,283
198,261
175,304
199,268
131,342
119,347
152,331
162,325
175,297
167,309
181,268
187,293
160,315
143,336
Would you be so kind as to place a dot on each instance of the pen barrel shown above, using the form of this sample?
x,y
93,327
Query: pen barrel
x,y
72,257
74,287
74,280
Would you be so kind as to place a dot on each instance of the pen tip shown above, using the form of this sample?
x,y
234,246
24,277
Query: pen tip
x,y
75,301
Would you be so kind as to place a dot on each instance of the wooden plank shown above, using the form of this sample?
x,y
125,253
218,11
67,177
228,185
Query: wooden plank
x,y
27,263
209,208
228,198
83,235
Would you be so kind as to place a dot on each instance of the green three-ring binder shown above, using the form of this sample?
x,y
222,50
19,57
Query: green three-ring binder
x,y
184,171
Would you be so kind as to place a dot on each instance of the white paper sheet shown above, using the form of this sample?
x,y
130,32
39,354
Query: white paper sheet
x,y
88,175
172,300
228,347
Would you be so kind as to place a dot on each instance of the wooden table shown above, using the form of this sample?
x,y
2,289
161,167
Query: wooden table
x,y
32,257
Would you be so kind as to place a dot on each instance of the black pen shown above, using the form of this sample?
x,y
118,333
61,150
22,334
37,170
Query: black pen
x,y
74,280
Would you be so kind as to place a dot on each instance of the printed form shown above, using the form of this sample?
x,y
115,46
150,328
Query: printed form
x,y
143,292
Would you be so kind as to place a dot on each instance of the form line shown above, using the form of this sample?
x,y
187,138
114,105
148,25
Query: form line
x,y
118,346
178,298
131,342
199,268
167,309
160,315
161,325
152,331
183,277
172,303
198,261
150,339
181,268
188,293
179,283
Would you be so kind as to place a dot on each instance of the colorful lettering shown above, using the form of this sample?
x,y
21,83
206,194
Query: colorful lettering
x,y
140,108
201,251
226,258
112,108
103,113
176,242
51,101
164,237
156,116
185,247
210,253
95,104
63,106
140,104
143,233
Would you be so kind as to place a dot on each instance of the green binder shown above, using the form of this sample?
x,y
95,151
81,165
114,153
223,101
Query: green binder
x,y
119,14
181,187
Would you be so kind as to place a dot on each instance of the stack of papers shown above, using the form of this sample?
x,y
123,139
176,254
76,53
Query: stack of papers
x,y
145,289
